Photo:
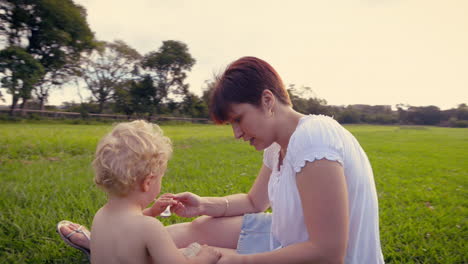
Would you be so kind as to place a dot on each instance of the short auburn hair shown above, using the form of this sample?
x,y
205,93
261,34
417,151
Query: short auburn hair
x,y
129,153
244,81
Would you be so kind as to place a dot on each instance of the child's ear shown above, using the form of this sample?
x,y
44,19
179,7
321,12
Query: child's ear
x,y
146,183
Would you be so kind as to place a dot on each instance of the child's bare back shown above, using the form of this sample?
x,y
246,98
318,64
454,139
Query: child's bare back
x,y
131,238
129,165
119,238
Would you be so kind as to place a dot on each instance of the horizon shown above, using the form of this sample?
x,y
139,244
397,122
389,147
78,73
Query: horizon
x,y
348,52
393,107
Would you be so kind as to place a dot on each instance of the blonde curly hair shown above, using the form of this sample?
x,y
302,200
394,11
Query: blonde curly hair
x,y
129,153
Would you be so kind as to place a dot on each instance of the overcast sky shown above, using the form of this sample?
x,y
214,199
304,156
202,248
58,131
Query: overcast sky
x,y
348,51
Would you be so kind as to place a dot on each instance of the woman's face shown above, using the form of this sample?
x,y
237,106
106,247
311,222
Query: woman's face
x,y
252,124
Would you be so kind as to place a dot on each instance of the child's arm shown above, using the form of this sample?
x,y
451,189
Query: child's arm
x,y
162,249
206,255
159,205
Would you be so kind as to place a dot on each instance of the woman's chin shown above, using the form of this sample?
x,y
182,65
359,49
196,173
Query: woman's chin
x,y
259,147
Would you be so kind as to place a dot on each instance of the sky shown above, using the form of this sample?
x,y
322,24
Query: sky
x,y
376,52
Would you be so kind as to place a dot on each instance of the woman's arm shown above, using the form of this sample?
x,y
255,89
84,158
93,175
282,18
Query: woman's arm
x,y
232,205
323,192
256,200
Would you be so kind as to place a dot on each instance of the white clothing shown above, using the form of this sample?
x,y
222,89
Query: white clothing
x,y
317,137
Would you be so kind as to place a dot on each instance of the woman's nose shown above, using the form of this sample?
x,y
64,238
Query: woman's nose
x,y
237,131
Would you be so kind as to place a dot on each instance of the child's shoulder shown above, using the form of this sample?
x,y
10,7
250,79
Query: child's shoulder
x,y
148,220
147,223
150,230
127,223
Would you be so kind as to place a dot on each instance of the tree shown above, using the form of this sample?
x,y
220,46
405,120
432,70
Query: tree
x,y
402,110
54,32
462,112
194,106
168,67
348,115
424,115
135,96
430,115
143,94
305,101
19,71
208,92
123,99
105,69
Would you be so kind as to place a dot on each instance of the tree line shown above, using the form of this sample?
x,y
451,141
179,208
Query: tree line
x,y
48,44
381,114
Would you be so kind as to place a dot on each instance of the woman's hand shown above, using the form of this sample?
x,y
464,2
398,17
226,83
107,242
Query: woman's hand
x,y
189,205
160,205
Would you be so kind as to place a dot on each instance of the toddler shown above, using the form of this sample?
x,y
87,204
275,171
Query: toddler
x,y
129,165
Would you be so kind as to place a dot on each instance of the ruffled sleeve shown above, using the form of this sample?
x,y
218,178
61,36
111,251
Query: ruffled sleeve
x,y
318,137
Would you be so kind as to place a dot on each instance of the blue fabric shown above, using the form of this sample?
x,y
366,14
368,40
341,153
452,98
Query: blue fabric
x,y
255,234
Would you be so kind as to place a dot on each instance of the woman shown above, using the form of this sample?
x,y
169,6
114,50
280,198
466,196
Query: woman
x,y
315,176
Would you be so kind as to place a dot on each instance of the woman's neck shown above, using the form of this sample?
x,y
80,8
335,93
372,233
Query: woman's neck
x,y
287,120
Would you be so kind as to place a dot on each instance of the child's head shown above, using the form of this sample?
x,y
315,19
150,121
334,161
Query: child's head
x,y
129,153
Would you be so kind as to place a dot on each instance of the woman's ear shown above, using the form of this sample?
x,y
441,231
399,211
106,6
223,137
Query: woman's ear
x,y
268,100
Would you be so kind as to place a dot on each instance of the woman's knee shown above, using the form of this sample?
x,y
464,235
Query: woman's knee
x,y
201,223
185,233
218,231
213,231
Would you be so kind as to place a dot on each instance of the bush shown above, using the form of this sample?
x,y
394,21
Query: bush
x,y
8,118
34,116
454,122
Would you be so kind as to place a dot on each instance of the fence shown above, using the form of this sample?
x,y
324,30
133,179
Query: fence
x,y
75,115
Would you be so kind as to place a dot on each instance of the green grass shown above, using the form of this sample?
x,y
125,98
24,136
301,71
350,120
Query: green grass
x,y
421,175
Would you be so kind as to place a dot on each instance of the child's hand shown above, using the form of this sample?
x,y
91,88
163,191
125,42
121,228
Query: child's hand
x,y
208,255
160,205
162,202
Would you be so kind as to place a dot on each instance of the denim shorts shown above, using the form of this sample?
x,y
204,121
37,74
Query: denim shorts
x,y
255,234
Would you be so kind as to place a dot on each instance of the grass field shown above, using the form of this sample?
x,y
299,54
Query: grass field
x,y
45,176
